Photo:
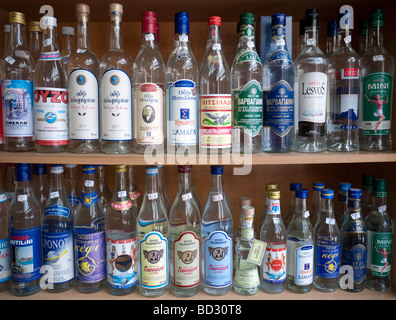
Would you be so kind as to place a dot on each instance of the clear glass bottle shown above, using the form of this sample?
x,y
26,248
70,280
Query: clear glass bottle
x,y
116,90
35,39
121,238
7,40
184,239
68,45
246,91
301,39
332,37
89,237
83,72
273,232
162,188
50,95
72,186
148,91
214,94
152,230
376,100
5,262
353,235
216,238
380,229
268,186
278,87
243,201
311,90
24,223
341,208
10,181
300,248
181,76
367,194
17,73
315,205
363,36
327,246
40,183
7,45
57,235
104,192
133,188
292,203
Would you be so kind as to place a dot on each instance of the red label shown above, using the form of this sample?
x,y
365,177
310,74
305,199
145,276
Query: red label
x,y
350,73
121,205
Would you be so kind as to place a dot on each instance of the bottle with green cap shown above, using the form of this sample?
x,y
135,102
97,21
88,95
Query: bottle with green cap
x,y
363,36
367,194
341,208
376,91
380,230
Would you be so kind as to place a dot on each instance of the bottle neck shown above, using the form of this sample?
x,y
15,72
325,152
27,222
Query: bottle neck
x,y
83,42
379,204
279,35
56,181
89,183
71,173
216,183
67,43
246,37
50,39
301,207
326,208
214,35
120,182
18,36
116,42
345,38
151,184
184,183
343,197
148,40
311,36
23,186
376,36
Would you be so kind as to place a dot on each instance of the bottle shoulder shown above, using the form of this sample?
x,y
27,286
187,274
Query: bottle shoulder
x,y
116,59
85,59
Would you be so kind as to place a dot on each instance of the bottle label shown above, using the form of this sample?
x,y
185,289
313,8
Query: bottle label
x,y
74,200
153,252
247,55
246,32
3,197
89,199
83,105
121,263
312,104
218,260
26,254
49,56
248,107
246,275
183,112
58,254
215,125
121,205
279,57
149,114
90,256
327,257
17,105
273,206
303,272
57,210
377,103
1,117
116,108
5,265
279,108
379,255
186,260
274,264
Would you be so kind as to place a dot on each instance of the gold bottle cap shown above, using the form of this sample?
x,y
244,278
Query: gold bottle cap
x,y
17,17
248,211
245,201
273,194
115,7
120,168
271,186
82,8
34,26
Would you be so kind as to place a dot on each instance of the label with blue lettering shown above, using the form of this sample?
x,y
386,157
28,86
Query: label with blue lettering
x,y
279,56
89,199
5,266
26,254
57,210
58,254
303,272
327,257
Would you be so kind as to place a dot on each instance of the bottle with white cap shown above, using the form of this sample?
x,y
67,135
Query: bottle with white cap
x,y
68,44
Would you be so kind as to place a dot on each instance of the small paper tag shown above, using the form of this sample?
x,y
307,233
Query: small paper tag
x,y
382,208
186,196
122,194
10,60
280,42
149,37
256,252
152,196
218,197
311,42
54,194
330,220
306,214
183,37
89,183
22,198
347,39
216,46
378,57
355,215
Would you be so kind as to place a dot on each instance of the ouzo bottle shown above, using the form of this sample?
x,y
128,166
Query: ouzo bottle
x,y
5,262
72,186
40,184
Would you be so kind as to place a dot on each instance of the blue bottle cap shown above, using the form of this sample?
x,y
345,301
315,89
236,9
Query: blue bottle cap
x,y
216,170
22,172
151,170
354,193
39,169
182,22
88,169
332,28
345,186
317,186
327,193
295,185
278,18
302,193
56,168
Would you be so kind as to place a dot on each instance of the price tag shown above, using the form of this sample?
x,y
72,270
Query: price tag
x,y
54,194
355,215
89,183
311,42
218,197
216,46
382,208
10,60
186,196
3,197
256,252
122,194
280,42
306,214
378,57
149,37
347,39
47,42
183,37
22,198
152,196
330,221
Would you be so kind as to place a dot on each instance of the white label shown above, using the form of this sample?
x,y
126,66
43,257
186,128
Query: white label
x,y
382,209
22,198
183,37
10,60
116,105
347,39
3,197
186,196
311,42
379,57
303,273
306,214
330,221
83,105
122,194
89,183
280,42
218,197
54,194
149,37
152,196
47,42
276,220
216,46
355,215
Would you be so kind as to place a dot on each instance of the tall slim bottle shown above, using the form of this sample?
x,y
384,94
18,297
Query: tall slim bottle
x,y
214,94
104,192
5,262
7,45
152,232
68,45
148,91
311,90
332,42
181,76
380,229
367,194
133,189
315,205
246,90
216,237
301,39
41,185
72,186
83,89
35,39
184,239
89,237
377,88
278,87
24,227
121,238
294,186
162,189
341,208
17,73
57,235
363,36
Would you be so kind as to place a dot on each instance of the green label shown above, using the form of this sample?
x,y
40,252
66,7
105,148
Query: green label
x,y
379,253
248,55
377,102
248,107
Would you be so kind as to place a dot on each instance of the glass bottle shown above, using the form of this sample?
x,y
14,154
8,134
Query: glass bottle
x,y
50,94
311,90
332,37
152,230
367,194
89,237
380,229
7,45
17,73
68,45
121,238
243,201
104,192
24,223
35,39
83,72
7,40
5,262
216,237
214,94
268,186
278,87
246,91
72,186
292,204
353,246
273,232
341,209
162,188
133,188
363,36
40,183
116,90
300,247
57,235
181,76
184,239
302,35
327,246
315,205
376,100
148,91
10,181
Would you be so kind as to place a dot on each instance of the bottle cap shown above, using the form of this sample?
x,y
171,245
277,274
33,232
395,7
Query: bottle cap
x,y
17,17
184,169
376,18
302,193
354,193
56,168
364,27
70,165
88,169
278,19
217,170
115,8
214,21
327,193
302,27
39,169
246,18
247,211
367,181
332,28
68,31
182,22
245,201
151,170
82,8
317,186
311,17
274,194
120,168
34,26
149,21
22,172
271,186
295,185
344,186
380,188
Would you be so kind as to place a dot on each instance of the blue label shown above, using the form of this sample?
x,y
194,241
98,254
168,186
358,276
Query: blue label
x,y
57,210
5,266
356,257
327,258
89,199
280,56
74,200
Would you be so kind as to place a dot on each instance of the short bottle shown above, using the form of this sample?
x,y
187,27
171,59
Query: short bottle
x,y
300,247
35,39
185,239
25,223
40,183
68,45
89,235
104,192
121,238
294,186
72,186
5,262
367,194
327,246
57,235
315,205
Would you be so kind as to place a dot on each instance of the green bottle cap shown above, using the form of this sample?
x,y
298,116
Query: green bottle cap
x,y
368,182
246,18
364,27
380,188
376,18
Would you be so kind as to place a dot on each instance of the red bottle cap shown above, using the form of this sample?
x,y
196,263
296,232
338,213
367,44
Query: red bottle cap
x,y
149,22
214,21
184,169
